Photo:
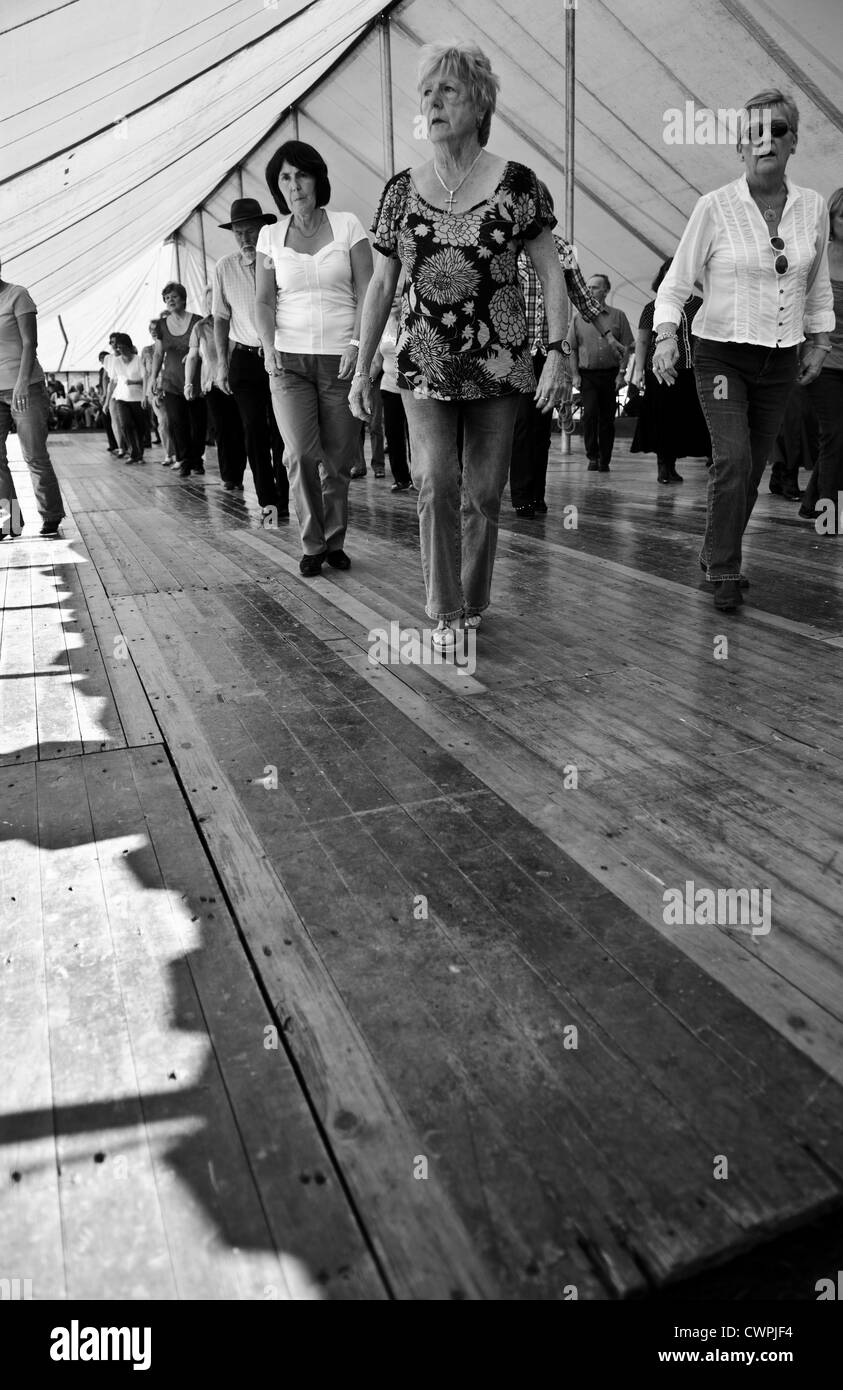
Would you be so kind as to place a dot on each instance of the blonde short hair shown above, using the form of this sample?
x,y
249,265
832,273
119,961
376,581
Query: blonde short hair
x,y
470,65
772,97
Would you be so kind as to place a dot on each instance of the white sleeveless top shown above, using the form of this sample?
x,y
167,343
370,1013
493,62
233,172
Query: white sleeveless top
x,y
315,303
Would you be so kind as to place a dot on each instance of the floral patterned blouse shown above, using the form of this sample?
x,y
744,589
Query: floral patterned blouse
x,y
463,328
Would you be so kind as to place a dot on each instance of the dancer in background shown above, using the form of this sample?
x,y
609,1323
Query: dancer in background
x,y
187,420
312,272
125,390
241,371
670,424
826,392
154,404
759,247
202,360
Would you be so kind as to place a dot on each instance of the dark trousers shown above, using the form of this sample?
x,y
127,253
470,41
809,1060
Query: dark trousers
x,y
109,430
249,382
599,402
228,428
133,424
397,438
797,443
186,421
743,391
530,447
826,481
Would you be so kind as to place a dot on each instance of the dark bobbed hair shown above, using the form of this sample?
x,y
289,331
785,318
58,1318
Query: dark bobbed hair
x,y
102,355
835,207
122,340
308,161
174,285
663,269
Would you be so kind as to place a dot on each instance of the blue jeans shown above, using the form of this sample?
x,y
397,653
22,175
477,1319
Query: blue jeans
x,y
743,391
31,426
458,516
319,432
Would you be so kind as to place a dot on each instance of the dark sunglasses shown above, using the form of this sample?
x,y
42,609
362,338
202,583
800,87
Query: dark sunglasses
x,y
759,129
781,262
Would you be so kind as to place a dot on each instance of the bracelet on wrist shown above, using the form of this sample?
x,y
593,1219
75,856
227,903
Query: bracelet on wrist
x,y
666,338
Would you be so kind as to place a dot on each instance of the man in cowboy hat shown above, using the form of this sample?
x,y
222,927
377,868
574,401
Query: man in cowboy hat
x,y
241,371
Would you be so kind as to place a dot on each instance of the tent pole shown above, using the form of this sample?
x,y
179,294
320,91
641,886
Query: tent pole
x,y
570,78
240,178
386,95
294,112
200,212
178,257
570,75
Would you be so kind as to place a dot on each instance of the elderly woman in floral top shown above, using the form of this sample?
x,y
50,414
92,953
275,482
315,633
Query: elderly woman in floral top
x,y
456,225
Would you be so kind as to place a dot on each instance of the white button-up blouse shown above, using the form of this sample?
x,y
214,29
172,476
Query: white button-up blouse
x,y
726,246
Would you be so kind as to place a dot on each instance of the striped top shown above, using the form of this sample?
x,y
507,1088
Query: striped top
x,y
726,245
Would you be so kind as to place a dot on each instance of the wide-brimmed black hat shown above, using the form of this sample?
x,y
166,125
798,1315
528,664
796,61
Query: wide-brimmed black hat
x,y
247,210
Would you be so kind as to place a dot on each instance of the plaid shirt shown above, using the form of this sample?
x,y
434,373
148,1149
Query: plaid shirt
x,y
578,293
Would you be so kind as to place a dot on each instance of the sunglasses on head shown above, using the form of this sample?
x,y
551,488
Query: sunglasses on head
x,y
759,130
781,261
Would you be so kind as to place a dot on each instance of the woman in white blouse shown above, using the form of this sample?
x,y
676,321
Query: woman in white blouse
x,y
759,247
125,390
311,275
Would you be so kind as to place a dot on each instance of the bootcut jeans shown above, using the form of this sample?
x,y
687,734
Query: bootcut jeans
x,y
743,389
458,516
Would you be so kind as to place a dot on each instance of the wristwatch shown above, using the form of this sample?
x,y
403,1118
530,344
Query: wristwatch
x,y
354,342
560,345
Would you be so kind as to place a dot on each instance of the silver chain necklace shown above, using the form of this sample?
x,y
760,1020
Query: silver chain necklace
x,y
452,192
768,212
308,235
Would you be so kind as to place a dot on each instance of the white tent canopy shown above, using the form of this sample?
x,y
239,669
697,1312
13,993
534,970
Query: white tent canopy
x,y
126,125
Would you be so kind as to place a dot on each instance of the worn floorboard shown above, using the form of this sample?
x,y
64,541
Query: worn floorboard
x,y
501,1070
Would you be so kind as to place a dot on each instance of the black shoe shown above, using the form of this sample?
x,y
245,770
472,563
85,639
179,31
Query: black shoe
x,y
664,473
50,528
338,560
229,487
200,469
593,466
604,468
402,487
540,508
379,472
311,565
793,494
674,477
809,513
527,510
776,489
283,513
727,595
184,472
358,473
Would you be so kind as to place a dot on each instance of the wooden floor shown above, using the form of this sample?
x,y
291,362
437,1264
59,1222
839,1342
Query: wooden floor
x,y
321,979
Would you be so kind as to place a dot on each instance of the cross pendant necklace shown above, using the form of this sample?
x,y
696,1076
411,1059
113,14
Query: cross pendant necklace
x,y
452,192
